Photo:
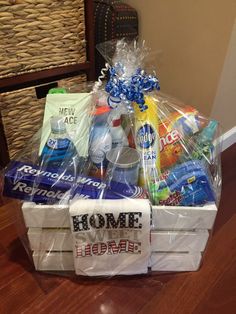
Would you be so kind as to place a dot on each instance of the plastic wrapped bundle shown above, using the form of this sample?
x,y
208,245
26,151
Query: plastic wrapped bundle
x,y
121,179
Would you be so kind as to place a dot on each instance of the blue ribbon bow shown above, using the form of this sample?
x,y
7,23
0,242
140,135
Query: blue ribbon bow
x,y
128,90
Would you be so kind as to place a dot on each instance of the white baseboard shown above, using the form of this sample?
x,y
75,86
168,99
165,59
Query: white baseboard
x,y
228,138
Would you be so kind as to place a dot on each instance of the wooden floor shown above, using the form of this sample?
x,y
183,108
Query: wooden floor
x,y
211,290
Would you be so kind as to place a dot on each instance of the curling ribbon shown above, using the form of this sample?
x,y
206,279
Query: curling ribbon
x,y
128,90
98,84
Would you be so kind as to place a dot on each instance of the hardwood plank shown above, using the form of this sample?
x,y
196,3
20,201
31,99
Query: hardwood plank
x,y
16,253
184,294
69,297
2,250
9,213
48,282
125,295
11,223
18,294
222,297
117,295
9,271
8,235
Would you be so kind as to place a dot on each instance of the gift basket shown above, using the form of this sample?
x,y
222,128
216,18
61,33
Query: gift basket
x,y
121,179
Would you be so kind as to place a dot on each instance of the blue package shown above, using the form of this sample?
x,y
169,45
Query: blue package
x,y
48,186
187,184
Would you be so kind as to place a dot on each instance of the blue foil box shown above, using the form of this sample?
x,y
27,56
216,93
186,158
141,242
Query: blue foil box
x,y
49,186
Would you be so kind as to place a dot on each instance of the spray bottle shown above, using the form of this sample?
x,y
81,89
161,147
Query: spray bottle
x,y
100,142
147,142
119,138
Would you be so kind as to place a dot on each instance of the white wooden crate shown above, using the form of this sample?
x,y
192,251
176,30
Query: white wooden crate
x,y
46,216
167,261
177,217
163,217
175,247
179,241
63,261
161,241
50,239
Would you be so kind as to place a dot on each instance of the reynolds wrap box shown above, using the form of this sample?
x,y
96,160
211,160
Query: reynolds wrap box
x,y
49,186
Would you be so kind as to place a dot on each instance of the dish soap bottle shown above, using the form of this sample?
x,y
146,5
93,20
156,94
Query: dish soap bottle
x,y
59,149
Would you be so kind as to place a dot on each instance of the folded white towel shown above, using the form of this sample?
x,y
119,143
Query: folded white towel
x,y
110,237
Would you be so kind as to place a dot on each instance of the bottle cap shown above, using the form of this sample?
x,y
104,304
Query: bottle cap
x,y
116,122
207,134
57,90
57,124
101,110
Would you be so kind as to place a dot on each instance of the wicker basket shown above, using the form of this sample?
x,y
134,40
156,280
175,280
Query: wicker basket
x,y
22,114
40,34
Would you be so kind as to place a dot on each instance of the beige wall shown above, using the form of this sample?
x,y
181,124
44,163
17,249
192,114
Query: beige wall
x,y
224,106
192,37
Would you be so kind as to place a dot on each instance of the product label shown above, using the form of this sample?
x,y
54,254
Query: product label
x,y
146,140
97,152
178,127
57,152
75,108
58,143
169,139
146,136
30,183
118,143
97,156
69,114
